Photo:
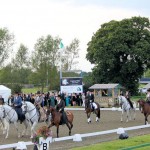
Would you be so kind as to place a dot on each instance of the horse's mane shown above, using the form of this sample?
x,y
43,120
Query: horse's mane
x,y
28,103
52,108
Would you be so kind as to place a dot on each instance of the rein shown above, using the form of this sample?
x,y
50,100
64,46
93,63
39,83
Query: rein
x,y
29,112
7,113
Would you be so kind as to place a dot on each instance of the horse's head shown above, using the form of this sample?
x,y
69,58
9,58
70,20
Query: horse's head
x,y
141,102
24,107
49,113
120,99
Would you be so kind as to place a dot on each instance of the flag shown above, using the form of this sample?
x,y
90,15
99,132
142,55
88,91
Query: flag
x,y
61,45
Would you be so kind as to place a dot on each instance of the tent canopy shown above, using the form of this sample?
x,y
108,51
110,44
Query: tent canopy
x,y
5,92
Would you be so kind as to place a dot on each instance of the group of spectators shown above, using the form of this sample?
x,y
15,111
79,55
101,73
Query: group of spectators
x,y
49,98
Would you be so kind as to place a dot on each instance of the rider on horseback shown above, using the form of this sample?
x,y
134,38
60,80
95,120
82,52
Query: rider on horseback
x,y
60,108
128,95
90,98
148,96
17,103
38,102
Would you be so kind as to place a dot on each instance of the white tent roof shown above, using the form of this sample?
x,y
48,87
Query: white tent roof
x,y
4,88
5,92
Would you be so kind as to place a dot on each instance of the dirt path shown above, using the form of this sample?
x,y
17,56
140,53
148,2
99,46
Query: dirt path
x,y
109,120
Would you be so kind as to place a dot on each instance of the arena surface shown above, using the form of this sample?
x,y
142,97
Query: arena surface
x,y
109,120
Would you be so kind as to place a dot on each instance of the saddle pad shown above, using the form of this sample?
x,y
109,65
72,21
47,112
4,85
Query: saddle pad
x,y
94,105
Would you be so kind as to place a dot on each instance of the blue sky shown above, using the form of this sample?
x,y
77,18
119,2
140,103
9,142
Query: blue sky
x,y
68,19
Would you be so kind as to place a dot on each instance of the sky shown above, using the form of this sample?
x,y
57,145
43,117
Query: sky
x,y
28,20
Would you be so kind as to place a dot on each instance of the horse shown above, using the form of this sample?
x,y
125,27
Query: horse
x,y
126,108
9,115
56,119
31,114
145,109
89,110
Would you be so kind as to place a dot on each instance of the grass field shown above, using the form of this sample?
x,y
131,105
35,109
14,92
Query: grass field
x,y
136,143
32,90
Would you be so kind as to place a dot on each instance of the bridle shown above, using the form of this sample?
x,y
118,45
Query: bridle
x,y
28,111
5,113
121,102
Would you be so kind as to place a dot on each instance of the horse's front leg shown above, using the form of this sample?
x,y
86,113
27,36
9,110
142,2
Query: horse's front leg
x,y
97,118
16,126
122,115
128,112
69,127
32,129
26,123
57,131
146,120
6,128
134,113
88,118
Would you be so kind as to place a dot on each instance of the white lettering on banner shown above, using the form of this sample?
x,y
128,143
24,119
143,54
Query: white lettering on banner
x,y
72,89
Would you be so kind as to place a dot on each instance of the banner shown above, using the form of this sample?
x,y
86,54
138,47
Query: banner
x,y
71,85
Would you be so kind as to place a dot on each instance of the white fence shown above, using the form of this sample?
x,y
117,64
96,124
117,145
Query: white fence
x,y
14,145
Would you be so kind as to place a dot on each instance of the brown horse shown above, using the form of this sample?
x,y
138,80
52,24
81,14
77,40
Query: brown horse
x,y
89,110
56,119
145,109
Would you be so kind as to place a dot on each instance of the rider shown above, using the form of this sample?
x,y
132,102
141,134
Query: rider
x,y
128,95
17,103
38,101
60,108
90,98
148,96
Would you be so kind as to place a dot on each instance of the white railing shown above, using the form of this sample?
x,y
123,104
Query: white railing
x,y
14,145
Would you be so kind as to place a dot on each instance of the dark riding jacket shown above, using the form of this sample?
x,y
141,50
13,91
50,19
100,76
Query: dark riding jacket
x,y
60,107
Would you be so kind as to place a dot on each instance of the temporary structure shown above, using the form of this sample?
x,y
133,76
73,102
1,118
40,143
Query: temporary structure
x,y
5,92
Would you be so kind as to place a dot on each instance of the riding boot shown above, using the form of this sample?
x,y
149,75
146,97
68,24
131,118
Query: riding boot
x,y
64,118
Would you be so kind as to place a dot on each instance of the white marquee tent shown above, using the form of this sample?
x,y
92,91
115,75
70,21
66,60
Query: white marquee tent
x,y
5,92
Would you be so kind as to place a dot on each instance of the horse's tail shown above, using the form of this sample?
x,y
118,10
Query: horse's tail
x,y
98,114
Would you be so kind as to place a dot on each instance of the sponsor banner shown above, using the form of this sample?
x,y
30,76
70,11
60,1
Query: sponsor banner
x,y
71,81
72,89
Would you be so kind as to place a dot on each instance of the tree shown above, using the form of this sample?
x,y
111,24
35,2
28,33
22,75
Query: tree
x,y
71,53
45,58
6,42
120,52
20,65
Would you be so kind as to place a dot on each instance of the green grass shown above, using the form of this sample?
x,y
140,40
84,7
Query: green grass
x,y
32,90
119,144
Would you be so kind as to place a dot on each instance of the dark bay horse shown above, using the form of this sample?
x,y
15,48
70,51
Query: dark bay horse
x,y
89,110
56,119
145,109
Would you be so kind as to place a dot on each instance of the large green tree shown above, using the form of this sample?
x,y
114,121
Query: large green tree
x,y
6,42
45,58
71,54
120,51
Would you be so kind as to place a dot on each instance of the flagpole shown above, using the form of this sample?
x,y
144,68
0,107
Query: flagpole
x,y
61,46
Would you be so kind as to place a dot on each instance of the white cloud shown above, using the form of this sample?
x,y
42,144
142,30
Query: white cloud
x,y
31,19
